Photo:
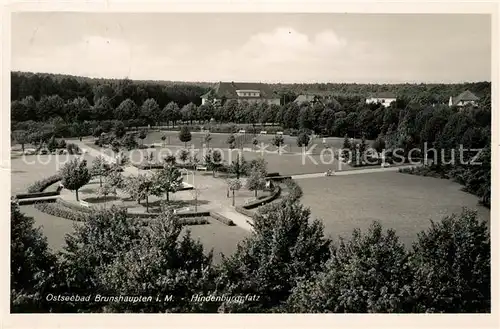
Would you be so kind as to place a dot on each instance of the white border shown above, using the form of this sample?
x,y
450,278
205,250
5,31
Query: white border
x,y
230,321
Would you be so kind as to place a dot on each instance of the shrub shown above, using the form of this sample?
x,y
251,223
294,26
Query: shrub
x,y
244,211
72,206
57,210
41,185
294,190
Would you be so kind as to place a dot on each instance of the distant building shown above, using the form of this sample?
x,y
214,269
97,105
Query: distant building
x,y
465,98
319,96
382,98
242,91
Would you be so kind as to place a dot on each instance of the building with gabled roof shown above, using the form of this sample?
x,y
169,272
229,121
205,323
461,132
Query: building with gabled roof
x,y
252,92
465,98
384,98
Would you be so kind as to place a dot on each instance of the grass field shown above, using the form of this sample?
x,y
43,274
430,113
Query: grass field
x,y
26,170
219,140
217,236
402,202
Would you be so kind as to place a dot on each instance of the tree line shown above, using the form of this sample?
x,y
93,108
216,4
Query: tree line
x,y
287,261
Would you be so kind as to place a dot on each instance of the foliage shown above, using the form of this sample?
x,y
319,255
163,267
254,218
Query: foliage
x,y
159,257
368,273
239,167
451,266
231,140
31,264
41,185
294,189
234,185
140,187
100,167
166,180
75,174
303,139
184,155
284,247
58,210
185,135
256,181
213,160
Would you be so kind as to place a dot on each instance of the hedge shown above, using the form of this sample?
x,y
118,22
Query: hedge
x,y
36,195
222,219
257,203
58,210
25,202
279,178
244,211
294,190
73,206
41,185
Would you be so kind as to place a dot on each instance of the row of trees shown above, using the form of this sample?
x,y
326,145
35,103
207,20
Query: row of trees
x,y
287,262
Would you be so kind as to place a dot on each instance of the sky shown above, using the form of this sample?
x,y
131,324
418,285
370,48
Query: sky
x,y
288,48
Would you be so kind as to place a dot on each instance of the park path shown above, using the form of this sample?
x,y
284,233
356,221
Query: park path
x,y
213,189
352,172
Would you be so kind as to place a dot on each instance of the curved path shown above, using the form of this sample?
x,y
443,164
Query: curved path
x,y
353,172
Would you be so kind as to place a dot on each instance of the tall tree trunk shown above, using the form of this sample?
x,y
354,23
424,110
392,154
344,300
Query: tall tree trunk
x,y
168,197
100,181
233,198
255,193
76,194
147,204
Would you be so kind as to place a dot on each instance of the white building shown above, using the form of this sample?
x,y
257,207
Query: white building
x,y
382,98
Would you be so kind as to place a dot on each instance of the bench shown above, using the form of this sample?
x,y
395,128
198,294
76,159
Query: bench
x,y
84,203
263,132
201,168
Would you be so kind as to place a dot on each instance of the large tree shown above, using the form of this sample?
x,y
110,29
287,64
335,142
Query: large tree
x,y
284,246
100,167
368,273
31,264
451,266
167,180
163,262
75,174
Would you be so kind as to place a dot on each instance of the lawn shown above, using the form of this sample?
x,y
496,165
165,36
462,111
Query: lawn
x,y
219,140
402,202
25,170
217,236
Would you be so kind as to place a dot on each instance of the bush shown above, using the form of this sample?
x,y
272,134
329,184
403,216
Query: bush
x,y
41,185
294,190
72,206
257,203
36,195
244,211
73,148
58,210
222,219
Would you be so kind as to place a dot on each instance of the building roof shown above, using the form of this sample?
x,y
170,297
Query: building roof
x,y
383,95
465,96
228,89
304,98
